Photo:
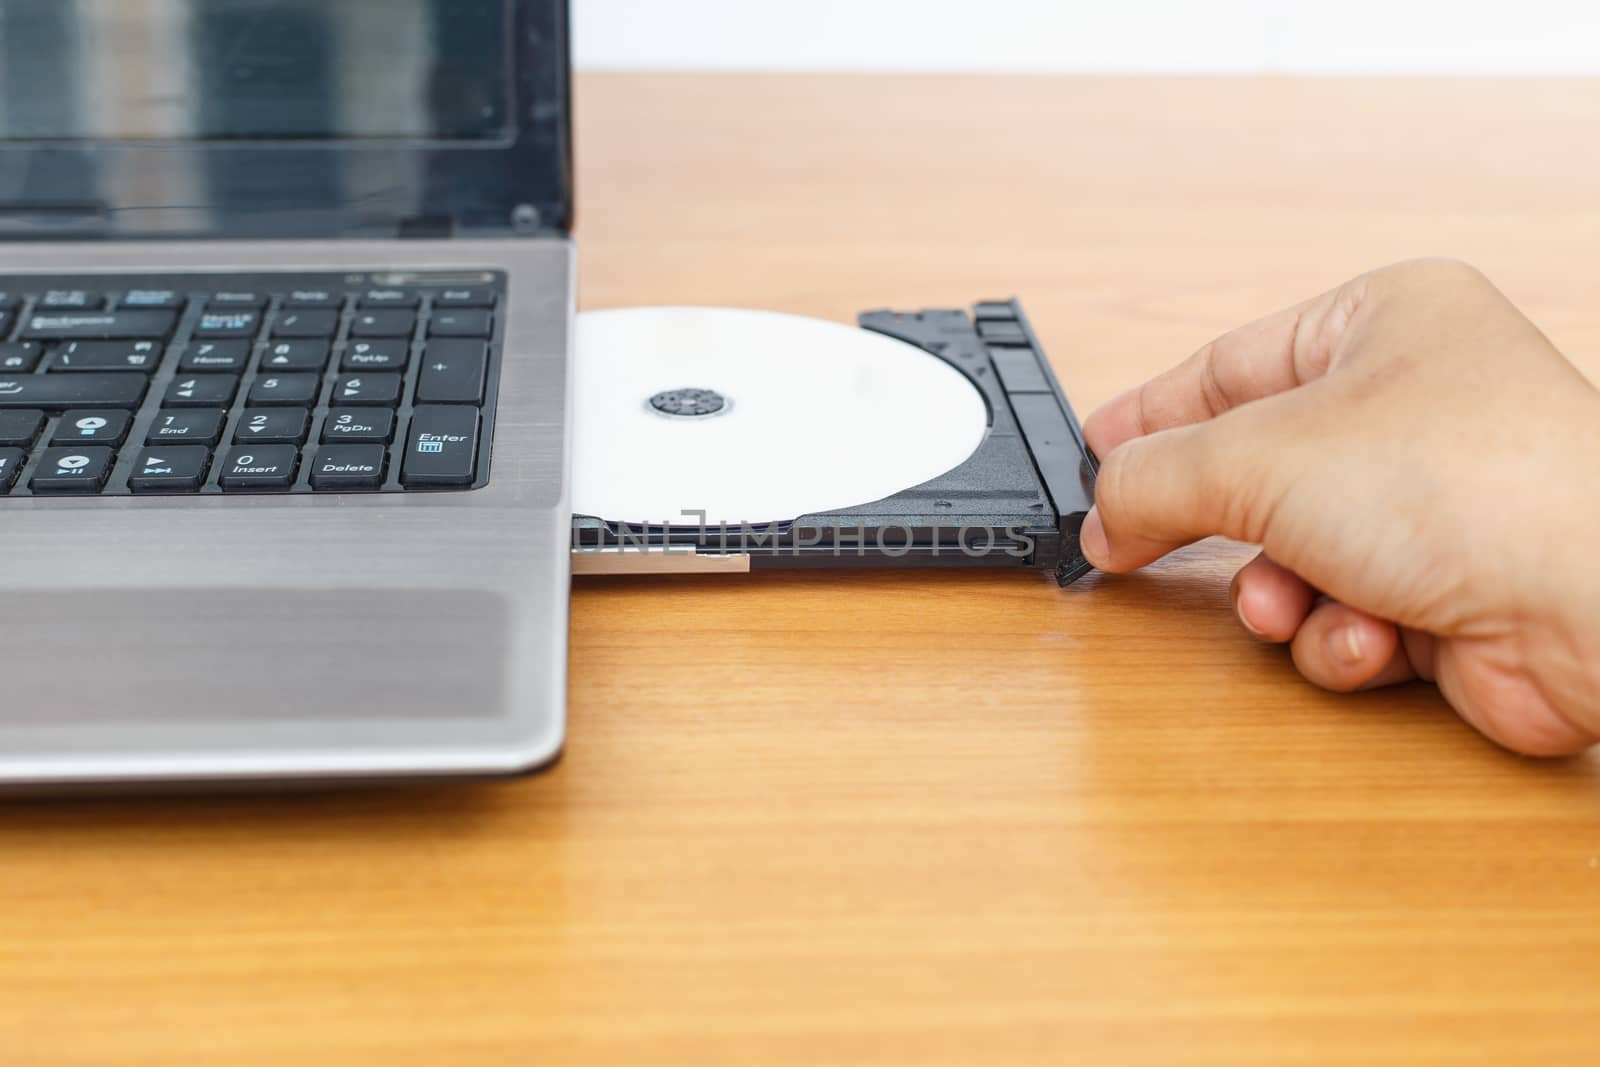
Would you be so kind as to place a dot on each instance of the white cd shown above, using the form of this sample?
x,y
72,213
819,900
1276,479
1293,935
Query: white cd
x,y
756,417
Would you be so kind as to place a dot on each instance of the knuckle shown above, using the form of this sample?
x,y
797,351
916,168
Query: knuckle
x,y
1110,491
1436,273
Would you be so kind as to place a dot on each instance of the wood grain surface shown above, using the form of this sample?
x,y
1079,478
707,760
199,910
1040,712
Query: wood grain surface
x,y
937,819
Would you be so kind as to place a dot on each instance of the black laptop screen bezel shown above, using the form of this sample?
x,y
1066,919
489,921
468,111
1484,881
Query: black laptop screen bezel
x,y
521,184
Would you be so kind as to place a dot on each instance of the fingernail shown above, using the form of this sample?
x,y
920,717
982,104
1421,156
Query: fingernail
x,y
1238,609
1092,539
1345,645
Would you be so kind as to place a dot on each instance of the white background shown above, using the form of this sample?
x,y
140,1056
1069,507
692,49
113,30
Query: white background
x,y
1119,36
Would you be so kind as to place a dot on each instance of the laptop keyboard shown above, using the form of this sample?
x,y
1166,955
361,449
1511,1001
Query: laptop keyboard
x,y
260,383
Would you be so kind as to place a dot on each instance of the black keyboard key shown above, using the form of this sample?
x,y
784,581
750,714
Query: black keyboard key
x,y
72,470
285,390
236,301
107,355
151,299
295,355
464,298
453,372
211,357
461,324
10,301
108,326
383,324
71,300
249,467
379,390
348,467
82,427
278,426
313,298
314,323
185,427
11,461
170,470
390,298
58,391
5,322
363,426
20,428
201,391
376,355
228,324
20,357
441,448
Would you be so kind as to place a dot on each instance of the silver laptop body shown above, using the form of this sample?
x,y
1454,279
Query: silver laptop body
x,y
291,637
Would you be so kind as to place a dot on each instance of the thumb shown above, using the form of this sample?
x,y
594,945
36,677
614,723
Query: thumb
x,y
1168,489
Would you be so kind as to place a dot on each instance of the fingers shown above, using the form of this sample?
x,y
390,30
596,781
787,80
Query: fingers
x,y
1267,357
1335,646
1343,649
1506,704
1157,493
1271,601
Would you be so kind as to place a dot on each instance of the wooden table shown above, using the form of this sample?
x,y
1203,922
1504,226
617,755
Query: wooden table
x,y
940,819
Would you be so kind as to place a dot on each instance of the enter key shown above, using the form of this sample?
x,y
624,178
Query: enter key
x,y
441,447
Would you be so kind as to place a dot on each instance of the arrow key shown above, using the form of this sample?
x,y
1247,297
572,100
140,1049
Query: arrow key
x,y
294,356
170,470
274,426
367,389
201,391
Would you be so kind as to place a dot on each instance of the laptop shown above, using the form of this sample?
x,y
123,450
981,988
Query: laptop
x,y
286,296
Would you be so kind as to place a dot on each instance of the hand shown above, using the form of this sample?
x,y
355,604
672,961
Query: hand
x,y
1422,470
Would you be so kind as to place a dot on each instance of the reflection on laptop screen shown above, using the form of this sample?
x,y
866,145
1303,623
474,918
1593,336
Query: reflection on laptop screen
x,y
255,69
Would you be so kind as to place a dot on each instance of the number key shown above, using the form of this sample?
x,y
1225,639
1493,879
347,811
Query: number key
x,y
201,391
285,390
295,355
376,389
187,427
365,426
376,355
209,356
277,427
268,467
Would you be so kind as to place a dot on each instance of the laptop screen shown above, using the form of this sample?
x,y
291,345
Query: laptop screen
x,y
258,69
205,116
